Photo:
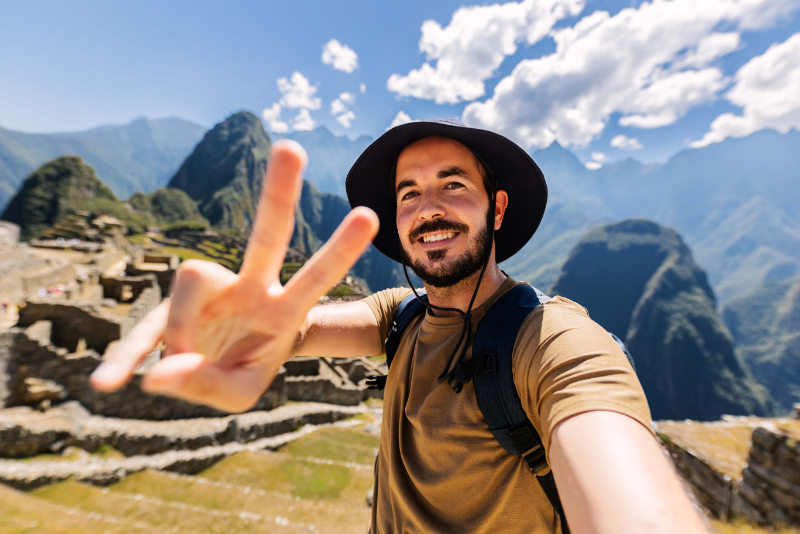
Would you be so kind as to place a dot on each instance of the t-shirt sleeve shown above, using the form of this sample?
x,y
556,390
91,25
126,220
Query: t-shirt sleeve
x,y
566,364
383,304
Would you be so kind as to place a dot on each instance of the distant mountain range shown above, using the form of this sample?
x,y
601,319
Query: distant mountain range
x,y
139,156
639,281
638,278
734,202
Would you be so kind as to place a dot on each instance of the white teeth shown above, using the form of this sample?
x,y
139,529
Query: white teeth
x,y
437,237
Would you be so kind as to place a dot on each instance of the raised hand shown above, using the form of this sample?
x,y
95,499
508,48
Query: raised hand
x,y
226,335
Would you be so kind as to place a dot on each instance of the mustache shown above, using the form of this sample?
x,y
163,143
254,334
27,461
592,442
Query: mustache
x,y
436,225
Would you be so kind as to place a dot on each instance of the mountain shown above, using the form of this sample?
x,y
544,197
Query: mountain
x,y
329,157
224,175
139,156
167,206
322,213
733,201
766,329
225,171
639,280
53,190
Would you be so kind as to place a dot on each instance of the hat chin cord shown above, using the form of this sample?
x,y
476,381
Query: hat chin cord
x,y
455,372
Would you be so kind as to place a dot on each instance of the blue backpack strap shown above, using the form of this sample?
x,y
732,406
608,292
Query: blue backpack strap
x,y
409,308
494,379
495,389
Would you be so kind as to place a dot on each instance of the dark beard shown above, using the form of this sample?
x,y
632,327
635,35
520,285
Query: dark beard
x,y
465,266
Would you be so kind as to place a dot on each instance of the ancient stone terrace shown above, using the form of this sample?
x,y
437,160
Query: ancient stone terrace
x,y
741,467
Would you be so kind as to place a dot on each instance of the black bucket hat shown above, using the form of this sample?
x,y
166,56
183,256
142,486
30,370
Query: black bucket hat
x,y
369,181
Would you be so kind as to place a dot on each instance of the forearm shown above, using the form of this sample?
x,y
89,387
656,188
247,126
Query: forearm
x,y
339,330
613,477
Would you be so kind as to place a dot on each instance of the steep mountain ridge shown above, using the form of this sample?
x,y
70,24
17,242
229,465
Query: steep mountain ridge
x,y
138,156
639,280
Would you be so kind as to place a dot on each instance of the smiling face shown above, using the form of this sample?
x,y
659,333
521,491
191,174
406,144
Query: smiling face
x,y
443,210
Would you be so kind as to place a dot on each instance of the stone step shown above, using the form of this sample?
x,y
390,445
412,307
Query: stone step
x,y
185,446
26,432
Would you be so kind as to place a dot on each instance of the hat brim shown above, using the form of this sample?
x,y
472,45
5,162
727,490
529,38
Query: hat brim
x,y
368,182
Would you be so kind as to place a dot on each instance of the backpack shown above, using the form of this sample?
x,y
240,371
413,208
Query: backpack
x,y
491,370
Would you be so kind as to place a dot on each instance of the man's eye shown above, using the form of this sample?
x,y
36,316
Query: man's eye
x,y
454,185
410,194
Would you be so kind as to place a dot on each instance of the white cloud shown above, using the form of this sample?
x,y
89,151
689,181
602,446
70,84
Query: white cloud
x,y
599,157
649,64
298,92
303,121
401,118
623,142
346,118
362,87
340,108
472,46
767,89
339,56
594,165
272,116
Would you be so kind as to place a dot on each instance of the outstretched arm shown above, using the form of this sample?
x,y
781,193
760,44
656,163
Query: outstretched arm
x,y
226,335
612,477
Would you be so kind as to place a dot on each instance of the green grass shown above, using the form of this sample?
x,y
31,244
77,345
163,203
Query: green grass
x,y
138,239
342,444
316,481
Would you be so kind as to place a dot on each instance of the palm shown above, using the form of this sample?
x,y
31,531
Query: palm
x,y
227,335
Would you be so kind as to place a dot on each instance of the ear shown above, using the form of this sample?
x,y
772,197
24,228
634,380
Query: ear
x,y
500,205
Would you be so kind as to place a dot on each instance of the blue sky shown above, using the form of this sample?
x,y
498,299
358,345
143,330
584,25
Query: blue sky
x,y
608,79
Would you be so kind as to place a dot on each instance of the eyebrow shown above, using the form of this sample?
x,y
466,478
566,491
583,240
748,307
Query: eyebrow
x,y
444,173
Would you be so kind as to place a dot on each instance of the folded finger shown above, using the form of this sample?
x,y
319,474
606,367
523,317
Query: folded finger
x,y
123,357
274,221
194,378
330,264
196,284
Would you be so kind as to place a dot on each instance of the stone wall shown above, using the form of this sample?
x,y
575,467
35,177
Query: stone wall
x,y
769,492
148,299
73,322
167,265
712,489
22,357
126,288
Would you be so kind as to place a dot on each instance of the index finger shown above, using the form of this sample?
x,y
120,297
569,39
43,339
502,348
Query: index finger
x,y
274,220
122,358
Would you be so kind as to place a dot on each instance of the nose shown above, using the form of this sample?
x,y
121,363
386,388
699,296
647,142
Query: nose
x,y
430,208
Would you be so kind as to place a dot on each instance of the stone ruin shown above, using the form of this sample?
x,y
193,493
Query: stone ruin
x,y
73,301
767,490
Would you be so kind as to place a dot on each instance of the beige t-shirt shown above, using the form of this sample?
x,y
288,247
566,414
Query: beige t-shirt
x,y
440,468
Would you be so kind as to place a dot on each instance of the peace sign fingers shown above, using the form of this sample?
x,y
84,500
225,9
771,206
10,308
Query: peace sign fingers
x,y
272,228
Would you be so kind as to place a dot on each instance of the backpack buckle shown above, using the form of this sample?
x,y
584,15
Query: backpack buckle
x,y
537,461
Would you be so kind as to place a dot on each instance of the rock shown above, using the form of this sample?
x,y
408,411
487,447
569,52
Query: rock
x,y
37,390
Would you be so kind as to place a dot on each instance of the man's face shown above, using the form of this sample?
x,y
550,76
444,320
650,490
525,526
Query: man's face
x,y
442,210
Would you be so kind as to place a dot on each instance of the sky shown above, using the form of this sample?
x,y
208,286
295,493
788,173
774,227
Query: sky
x,y
608,79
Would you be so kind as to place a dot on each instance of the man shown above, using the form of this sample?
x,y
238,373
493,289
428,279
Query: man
x,y
452,202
